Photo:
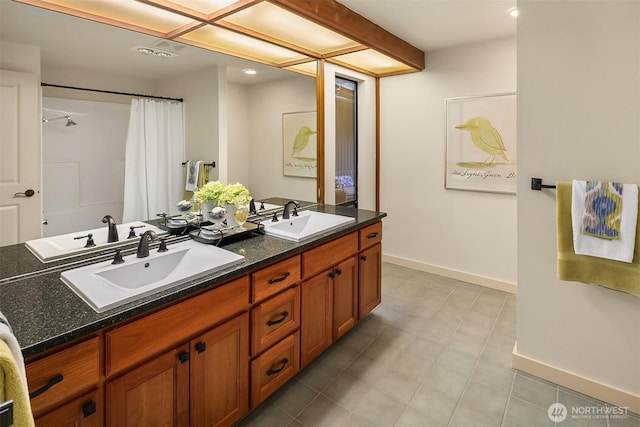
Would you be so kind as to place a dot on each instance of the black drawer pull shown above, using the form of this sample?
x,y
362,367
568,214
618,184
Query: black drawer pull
x,y
280,320
372,235
280,369
183,357
53,381
279,279
89,408
201,347
338,271
363,257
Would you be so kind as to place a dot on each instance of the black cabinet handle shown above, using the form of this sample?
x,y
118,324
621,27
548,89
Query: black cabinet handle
x,y
332,274
363,257
89,408
201,347
280,320
53,381
338,271
183,357
279,279
372,235
280,369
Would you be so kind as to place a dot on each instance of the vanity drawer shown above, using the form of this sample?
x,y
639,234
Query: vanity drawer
x,y
139,340
275,278
274,368
63,374
370,235
321,258
274,319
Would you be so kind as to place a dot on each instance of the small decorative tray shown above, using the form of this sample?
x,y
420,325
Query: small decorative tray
x,y
212,234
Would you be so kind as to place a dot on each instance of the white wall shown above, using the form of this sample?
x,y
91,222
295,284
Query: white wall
x,y
429,227
238,133
578,117
268,101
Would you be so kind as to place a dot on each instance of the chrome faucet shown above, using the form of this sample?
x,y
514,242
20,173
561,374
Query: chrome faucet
x,y
113,230
143,245
285,213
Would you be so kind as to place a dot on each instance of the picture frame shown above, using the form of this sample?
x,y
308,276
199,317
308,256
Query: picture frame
x,y
480,143
299,144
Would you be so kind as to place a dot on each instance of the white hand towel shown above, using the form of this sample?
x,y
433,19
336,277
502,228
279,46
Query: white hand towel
x,y
6,334
621,249
193,168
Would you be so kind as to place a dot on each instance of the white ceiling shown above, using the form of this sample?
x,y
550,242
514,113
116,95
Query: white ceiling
x,y
73,42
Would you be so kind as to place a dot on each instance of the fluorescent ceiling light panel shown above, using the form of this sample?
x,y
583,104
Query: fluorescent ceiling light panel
x,y
226,41
307,68
373,62
279,24
128,12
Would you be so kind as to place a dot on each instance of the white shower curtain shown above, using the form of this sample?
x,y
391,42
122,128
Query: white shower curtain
x,y
153,179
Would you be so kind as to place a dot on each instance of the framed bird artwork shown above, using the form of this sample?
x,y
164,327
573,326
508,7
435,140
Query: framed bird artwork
x,y
480,143
299,144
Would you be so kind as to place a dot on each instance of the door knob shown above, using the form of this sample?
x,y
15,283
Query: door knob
x,y
27,193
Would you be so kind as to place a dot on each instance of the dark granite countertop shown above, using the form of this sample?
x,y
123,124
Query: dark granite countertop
x,y
45,313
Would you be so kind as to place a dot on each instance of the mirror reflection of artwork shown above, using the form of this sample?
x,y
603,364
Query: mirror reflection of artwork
x,y
299,144
481,143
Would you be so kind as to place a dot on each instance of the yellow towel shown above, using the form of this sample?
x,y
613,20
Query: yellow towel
x,y
11,388
203,178
617,275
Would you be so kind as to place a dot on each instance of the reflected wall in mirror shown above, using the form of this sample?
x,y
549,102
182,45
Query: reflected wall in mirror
x,y
230,118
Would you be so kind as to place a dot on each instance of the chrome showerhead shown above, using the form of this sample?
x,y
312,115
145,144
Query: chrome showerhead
x,y
69,121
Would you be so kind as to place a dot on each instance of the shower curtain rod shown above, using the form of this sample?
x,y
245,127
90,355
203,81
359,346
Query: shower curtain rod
x,y
113,92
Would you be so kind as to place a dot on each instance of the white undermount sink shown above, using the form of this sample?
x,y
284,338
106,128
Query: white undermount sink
x,y
105,286
306,225
53,248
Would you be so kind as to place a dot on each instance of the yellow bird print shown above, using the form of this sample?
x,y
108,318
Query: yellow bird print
x,y
485,137
302,139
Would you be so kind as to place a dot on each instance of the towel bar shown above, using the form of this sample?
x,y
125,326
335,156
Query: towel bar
x,y
212,164
6,413
537,185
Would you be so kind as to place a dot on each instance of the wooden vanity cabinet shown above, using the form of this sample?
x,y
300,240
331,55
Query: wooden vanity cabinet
x,y
329,273
206,360
369,269
80,412
55,380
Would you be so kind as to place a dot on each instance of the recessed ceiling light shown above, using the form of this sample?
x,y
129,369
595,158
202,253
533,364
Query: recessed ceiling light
x,y
249,71
145,50
513,12
164,54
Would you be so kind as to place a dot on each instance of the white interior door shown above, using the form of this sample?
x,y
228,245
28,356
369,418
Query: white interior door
x,y
20,129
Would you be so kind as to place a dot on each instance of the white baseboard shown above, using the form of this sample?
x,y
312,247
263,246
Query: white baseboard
x,y
452,274
573,381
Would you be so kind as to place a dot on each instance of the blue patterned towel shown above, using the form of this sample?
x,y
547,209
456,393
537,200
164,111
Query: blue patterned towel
x,y
602,210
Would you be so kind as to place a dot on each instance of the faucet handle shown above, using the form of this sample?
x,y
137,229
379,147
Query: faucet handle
x,y
163,245
117,258
275,217
295,211
132,234
90,243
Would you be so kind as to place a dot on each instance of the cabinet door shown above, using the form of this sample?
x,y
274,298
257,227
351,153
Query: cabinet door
x,y
154,394
345,297
220,374
316,316
81,412
370,280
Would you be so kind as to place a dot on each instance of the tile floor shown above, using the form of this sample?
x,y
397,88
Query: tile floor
x,y
436,352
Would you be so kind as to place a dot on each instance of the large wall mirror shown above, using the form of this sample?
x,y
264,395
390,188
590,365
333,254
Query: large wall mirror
x,y
231,118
